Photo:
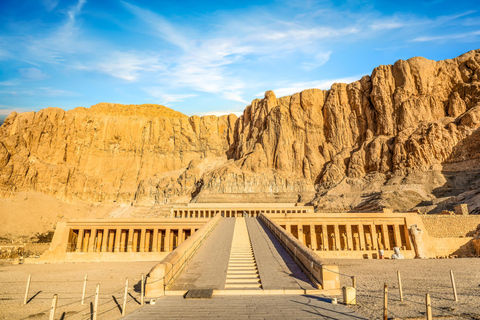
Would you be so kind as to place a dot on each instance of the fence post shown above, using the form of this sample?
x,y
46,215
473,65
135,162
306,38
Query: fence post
x,y
428,303
84,288
54,307
453,286
125,298
385,302
142,298
400,285
95,306
28,288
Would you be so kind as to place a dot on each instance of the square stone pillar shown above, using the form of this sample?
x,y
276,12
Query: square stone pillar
x,y
118,234
337,237
172,235
98,245
111,240
348,228
80,240
301,235
91,243
155,240
181,235
288,227
398,239
361,237
104,240
86,240
168,240
130,240
313,237
325,237
374,237
142,240
123,239
386,237
405,231
135,242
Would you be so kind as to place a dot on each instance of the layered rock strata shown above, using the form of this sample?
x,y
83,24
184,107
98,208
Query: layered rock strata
x,y
384,139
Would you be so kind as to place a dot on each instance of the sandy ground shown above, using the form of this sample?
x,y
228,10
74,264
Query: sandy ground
x,y
66,280
418,278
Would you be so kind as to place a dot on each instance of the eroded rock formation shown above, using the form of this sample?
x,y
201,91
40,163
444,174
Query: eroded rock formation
x,y
384,140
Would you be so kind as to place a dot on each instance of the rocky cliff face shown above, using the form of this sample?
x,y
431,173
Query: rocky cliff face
x,y
103,153
384,140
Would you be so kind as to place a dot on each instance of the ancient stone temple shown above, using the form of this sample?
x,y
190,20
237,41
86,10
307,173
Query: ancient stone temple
x,y
329,235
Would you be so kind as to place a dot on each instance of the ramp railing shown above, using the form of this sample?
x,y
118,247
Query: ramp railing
x,y
162,276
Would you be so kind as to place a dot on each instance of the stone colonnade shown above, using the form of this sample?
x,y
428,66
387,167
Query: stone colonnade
x,y
131,239
350,236
230,213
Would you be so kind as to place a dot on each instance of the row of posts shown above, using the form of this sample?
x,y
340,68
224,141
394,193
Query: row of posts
x,y
97,295
428,302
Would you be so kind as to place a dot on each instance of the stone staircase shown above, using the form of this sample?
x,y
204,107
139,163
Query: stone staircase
x,y
242,268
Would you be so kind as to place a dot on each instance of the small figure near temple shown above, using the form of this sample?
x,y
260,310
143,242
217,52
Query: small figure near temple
x,y
396,253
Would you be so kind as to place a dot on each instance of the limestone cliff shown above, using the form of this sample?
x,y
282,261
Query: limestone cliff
x,y
389,139
103,153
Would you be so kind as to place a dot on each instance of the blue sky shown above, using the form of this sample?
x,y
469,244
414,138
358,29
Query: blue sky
x,y
211,57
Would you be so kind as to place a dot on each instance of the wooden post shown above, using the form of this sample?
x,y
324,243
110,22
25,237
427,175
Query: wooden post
x,y
400,285
28,288
84,288
354,282
142,298
429,306
453,286
385,302
125,298
54,307
95,306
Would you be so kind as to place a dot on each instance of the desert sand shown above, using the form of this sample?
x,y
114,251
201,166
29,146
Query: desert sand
x,y
418,277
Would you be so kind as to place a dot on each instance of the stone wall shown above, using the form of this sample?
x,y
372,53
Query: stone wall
x,y
450,226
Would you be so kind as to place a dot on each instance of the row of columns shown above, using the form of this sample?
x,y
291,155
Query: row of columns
x,y
127,240
229,213
351,236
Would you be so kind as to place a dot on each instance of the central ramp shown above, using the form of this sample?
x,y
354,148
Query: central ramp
x,y
208,267
277,268
242,267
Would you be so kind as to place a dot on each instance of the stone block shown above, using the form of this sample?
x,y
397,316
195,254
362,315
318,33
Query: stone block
x,y
461,209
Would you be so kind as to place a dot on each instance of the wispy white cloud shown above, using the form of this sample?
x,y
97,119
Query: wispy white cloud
x,y
40,92
448,37
32,74
318,60
13,82
160,26
165,98
50,4
128,65
387,24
